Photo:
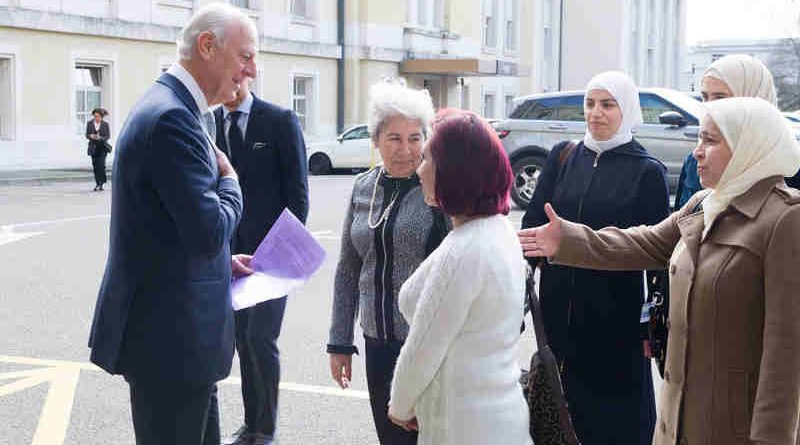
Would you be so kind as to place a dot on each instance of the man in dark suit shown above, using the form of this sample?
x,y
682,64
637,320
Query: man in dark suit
x,y
265,145
163,317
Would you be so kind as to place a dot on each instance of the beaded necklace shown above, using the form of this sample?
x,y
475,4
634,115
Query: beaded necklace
x,y
385,214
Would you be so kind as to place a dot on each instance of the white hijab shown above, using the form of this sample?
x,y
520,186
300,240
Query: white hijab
x,y
745,75
762,144
622,88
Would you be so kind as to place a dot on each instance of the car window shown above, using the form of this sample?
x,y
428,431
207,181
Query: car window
x,y
521,109
653,106
557,108
356,133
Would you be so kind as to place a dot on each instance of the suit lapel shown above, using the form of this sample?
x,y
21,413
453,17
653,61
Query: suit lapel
x,y
256,111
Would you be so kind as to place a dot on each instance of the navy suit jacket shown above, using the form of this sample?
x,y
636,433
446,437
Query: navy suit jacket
x,y
272,169
164,307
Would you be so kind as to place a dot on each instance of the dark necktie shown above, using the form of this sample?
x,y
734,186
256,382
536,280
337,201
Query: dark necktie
x,y
235,137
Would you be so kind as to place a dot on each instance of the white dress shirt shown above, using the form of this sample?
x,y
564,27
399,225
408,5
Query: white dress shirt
x,y
185,77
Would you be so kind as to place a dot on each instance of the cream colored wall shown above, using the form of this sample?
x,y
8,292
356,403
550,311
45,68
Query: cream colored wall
x,y
370,73
277,72
46,136
463,17
45,95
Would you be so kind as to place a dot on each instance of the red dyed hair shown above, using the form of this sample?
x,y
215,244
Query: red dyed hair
x,y
473,175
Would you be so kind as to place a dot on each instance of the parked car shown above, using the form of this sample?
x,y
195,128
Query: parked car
x,y
540,121
794,119
351,150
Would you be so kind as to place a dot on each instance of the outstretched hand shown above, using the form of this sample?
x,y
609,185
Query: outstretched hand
x,y
542,241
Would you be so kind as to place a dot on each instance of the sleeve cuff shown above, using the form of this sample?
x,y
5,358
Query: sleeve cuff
x,y
339,349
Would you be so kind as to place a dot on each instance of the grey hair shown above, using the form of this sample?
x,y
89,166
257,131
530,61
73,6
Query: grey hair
x,y
391,98
215,18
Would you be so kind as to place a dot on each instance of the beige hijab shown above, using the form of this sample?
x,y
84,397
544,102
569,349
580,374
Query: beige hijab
x,y
745,75
762,144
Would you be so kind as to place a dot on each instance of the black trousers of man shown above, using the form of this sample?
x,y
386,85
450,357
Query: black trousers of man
x,y
166,413
257,331
381,359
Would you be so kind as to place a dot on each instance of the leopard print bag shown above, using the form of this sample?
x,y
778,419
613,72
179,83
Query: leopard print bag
x,y
550,422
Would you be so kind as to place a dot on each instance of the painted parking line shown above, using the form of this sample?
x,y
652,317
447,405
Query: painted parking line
x,y
62,377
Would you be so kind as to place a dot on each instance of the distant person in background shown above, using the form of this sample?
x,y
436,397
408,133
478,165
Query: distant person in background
x,y
736,75
98,133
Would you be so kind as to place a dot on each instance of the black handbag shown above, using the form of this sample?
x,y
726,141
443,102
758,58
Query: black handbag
x,y
657,329
550,422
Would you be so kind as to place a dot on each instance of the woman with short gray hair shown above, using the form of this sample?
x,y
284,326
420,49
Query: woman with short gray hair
x,y
388,232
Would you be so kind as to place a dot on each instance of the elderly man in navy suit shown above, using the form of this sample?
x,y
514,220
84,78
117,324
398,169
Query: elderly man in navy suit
x,y
265,144
163,317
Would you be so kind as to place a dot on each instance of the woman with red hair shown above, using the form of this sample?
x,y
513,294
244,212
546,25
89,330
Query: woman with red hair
x,y
456,378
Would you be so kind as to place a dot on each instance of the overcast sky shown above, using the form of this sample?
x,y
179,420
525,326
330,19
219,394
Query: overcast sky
x,y
740,19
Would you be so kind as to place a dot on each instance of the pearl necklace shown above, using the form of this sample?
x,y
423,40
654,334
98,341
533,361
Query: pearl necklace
x,y
385,214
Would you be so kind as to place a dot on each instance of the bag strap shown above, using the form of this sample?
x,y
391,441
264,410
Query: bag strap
x,y
536,310
566,152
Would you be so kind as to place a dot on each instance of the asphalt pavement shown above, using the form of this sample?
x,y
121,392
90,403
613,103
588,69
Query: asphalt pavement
x,y
53,245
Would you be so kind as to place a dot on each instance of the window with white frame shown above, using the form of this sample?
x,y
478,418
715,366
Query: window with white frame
x,y
509,104
89,91
551,11
438,13
302,95
240,3
489,24
6,99
422,13
511,25
488,105
301,9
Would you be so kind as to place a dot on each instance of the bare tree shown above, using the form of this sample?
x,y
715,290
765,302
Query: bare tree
x,y
785,67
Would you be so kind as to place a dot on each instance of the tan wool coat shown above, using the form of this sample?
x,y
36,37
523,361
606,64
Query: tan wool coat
x,y
733,358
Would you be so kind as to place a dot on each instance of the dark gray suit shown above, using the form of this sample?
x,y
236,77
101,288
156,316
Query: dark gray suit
x,y
273,173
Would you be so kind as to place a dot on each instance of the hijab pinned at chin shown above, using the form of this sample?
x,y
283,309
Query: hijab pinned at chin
x,y
762,145
622,88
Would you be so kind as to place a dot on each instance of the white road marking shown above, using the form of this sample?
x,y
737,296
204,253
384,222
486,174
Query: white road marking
x,y
53,221
7,237
62,377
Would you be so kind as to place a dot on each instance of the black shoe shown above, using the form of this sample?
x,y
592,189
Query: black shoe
x,y
240,437
101,187
261,439
96,188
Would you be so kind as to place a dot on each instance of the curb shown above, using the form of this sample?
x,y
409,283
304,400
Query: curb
x,y
43,177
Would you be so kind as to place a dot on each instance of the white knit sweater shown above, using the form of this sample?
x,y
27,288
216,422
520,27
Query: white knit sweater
x,y
457,372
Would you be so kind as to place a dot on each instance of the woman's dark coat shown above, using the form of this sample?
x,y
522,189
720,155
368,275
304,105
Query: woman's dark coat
x,y
592,317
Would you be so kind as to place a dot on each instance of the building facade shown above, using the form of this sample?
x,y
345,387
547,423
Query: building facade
x,y
59,59
703,54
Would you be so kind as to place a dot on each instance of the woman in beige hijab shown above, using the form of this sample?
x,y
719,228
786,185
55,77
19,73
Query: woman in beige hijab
x,y
736,75
733,360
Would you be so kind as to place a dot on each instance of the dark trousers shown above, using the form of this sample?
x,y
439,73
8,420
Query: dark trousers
x,y
381,358
169,414
99,168
257,331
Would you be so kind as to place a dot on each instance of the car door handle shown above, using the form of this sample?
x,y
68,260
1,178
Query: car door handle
x,y
691,134
557,127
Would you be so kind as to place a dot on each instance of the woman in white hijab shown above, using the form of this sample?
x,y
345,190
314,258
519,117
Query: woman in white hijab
x,y
733,361
591,316
735,75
